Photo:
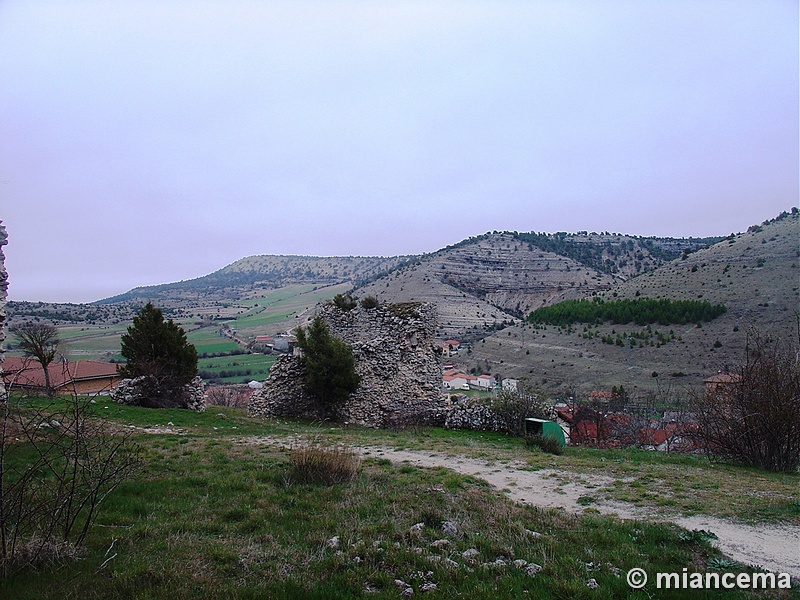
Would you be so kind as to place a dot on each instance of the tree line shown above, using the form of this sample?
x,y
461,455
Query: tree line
x,y
642,311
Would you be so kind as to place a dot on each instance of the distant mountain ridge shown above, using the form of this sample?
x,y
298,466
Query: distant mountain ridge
x,y
488,281
755,275
268,271
617,254
485,285
610,254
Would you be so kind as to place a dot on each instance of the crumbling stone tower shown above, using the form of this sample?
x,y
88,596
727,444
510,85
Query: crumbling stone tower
x,y
3,296
393,345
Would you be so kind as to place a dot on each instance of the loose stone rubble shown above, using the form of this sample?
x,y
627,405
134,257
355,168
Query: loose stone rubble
x,y
3,296
136,392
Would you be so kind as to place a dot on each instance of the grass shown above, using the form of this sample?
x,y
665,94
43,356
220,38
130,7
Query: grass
x,y
208,340
312,463
268,312
214,515
683,484
257,364
281,306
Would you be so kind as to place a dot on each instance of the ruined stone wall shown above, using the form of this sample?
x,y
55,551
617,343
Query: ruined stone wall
x,y
139,392
3,296
395,356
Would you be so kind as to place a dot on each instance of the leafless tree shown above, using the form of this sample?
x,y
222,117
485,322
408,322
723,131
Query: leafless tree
x,y
57,466
755,418
513,407
39,341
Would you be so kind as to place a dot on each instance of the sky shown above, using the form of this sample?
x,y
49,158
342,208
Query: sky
x,y
151,141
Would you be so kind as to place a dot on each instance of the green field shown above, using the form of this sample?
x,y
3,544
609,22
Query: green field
x,y
278,295
264,312
279,310
216,512
92,342
256,365
209,340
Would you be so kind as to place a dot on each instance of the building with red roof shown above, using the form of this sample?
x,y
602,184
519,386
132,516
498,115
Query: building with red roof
x,y
69,377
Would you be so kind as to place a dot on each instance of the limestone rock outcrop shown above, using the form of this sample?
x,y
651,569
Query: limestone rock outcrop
x,y
3,296
395,356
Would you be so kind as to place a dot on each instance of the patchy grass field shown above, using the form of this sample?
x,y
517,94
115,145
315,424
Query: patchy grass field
x,y
238,368
264,311
214,516
680,483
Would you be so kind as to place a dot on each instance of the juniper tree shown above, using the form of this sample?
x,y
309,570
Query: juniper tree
x,y
329,364
158,349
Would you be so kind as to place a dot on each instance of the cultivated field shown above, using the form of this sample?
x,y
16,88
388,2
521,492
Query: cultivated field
x,y
220,331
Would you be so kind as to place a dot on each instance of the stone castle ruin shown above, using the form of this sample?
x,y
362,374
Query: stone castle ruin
x,y
3,296
393,345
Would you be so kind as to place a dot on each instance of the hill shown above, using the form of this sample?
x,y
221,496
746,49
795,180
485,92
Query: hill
x,y
754,274
237,279
485,282
485,286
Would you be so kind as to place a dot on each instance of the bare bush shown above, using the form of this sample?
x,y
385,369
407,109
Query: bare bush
x,y
754,419
545,443
234,396
323,465
512,408
661,420
57,466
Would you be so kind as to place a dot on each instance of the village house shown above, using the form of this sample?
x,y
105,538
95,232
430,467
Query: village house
x,y
485,382
262,343
452,379
721,383
509,385
74,377
456,380
453,345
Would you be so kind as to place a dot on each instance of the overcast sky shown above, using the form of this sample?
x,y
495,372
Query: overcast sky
x,y
144,142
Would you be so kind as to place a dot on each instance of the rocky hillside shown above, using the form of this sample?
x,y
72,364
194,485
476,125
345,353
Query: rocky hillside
x,y
486,281
480,284
756,275
622,255
267,271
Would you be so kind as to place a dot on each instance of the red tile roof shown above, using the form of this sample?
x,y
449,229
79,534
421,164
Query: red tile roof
x,y
450,375
27,372
724,378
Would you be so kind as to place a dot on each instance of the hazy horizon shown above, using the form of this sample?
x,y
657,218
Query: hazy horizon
x,y
144,142
373,256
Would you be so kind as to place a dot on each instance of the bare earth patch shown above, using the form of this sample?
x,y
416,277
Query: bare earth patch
x,y
158,430
772,547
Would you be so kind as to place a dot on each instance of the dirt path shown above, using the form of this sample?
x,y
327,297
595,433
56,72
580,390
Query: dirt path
x,y
772,547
